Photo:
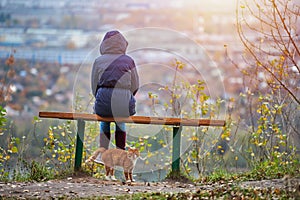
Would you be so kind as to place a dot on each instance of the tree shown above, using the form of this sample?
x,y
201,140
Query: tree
x,y
269,31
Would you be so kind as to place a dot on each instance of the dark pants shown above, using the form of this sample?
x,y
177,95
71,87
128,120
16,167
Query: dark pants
x,y
105,135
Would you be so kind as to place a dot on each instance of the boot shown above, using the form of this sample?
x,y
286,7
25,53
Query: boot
x,y
120,137
104,139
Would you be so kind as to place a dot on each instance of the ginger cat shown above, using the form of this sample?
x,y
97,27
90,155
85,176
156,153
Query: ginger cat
x,y
117,157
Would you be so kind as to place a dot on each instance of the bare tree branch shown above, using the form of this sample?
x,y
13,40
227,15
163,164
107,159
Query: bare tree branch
x,y
276,27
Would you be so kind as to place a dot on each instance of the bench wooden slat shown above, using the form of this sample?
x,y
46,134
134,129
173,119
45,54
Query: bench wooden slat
x,y
134,119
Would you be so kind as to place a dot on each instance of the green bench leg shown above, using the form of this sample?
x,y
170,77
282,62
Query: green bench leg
x,y
176,150
79,144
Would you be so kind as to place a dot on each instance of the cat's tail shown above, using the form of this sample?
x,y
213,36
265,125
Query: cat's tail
x,y
101,150
95,154
142,158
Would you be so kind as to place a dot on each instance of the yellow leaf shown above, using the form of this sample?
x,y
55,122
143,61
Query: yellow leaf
x,y
225,135
181,66
277,191
259,131
14,150
259,64
194,138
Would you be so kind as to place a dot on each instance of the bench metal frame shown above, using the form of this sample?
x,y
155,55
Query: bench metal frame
x,y
177,124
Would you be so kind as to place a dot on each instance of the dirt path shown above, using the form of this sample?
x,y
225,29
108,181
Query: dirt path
x,y
83,187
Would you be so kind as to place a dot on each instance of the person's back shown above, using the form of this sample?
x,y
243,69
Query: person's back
x,y
114,78
114,83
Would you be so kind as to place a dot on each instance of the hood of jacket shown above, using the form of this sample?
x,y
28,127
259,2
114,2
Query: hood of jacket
x,y
113,43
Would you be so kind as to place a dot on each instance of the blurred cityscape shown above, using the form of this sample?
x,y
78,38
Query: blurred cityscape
x,y
55,40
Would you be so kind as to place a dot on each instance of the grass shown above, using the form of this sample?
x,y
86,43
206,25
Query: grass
x,y
218,185
178,177
225,192
226,185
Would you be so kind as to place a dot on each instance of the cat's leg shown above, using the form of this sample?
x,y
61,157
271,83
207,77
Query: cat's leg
x,y
107,170
130,175
126,174
107,175
112,174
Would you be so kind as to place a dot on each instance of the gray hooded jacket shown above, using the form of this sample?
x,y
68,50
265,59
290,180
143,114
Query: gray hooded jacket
x,y
114,78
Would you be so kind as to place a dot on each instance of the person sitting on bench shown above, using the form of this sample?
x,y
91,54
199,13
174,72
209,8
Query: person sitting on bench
x,y
114,82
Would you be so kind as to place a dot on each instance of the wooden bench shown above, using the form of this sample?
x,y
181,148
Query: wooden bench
x,y
177,124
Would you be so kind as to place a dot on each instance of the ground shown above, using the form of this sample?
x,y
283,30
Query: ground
x,y
88,187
